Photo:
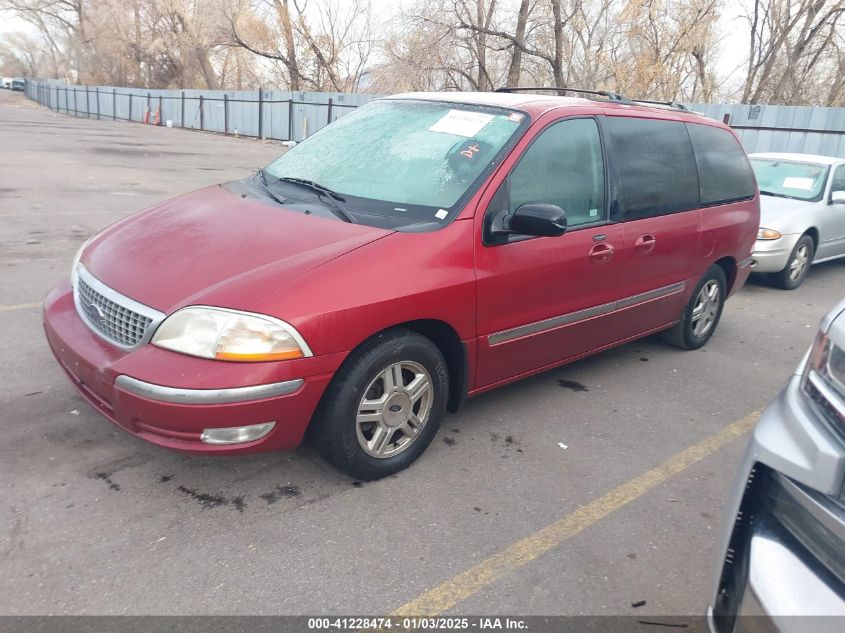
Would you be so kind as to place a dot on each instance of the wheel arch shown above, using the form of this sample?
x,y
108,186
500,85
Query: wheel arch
x,y
447,340
454,351
813,232
728,266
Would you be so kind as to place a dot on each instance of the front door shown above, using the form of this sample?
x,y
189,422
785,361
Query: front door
x,y
832,223
543,300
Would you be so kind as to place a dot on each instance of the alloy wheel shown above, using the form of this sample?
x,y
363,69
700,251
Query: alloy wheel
x,y
706,308
799,262
395,407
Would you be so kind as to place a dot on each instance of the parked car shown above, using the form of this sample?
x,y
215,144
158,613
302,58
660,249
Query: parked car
x,y
18,84
5,82
802,214
782,546
421,249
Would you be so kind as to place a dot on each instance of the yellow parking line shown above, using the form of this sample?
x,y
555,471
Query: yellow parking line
x,y
19,306
448,594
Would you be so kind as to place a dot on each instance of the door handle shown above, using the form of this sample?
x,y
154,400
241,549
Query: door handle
x,y
645,243
601,253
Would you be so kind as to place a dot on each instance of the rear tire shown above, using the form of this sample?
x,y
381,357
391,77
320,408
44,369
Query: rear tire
x,y
384,407
702,313
798,265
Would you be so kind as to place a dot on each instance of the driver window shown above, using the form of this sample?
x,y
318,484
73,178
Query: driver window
x,y
563,166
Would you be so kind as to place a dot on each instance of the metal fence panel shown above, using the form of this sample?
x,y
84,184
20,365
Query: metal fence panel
x,y
770,128
284,115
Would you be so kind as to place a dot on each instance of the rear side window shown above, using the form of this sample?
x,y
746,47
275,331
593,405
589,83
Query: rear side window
x,y
723,169
654,167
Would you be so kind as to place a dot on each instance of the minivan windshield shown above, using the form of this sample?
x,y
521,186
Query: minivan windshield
x,y
790,179
404,160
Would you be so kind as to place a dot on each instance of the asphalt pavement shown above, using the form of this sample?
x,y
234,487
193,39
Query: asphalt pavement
x,y
515,508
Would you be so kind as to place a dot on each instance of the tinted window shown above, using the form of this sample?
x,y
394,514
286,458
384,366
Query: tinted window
x,y
654,167
723,168
563,166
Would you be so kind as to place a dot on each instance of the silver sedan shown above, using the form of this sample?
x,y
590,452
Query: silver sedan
x,y
802,214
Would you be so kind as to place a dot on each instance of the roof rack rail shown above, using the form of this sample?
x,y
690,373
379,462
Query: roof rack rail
x,y
610,96
670,104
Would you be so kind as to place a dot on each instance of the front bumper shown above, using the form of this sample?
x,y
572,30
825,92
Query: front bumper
x,y
169,399
771,256
782,547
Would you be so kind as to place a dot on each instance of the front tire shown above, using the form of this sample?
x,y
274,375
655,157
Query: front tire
x,y
702,314
798,265
384,407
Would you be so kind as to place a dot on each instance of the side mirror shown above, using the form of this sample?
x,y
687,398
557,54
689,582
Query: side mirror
x,y
837,197
540,220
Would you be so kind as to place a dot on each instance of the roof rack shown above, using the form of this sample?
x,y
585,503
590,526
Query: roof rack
x,y
610,96
670,104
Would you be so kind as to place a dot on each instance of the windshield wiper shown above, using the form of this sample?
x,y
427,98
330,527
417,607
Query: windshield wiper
x,y
315,186
326,194
772,193
266,188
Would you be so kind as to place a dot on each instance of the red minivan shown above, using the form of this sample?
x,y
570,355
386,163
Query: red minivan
x,y
422,249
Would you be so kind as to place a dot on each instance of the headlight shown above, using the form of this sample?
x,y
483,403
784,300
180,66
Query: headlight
x,y
225,334
76,259
823,381
768,234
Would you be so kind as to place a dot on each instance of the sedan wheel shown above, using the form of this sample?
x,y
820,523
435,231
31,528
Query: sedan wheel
x,y
798,265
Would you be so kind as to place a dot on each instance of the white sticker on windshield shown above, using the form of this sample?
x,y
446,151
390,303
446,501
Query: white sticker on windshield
x,y
441,214
461,123
794,182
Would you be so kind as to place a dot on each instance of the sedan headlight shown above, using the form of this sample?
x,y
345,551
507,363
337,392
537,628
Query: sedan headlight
x,y
768,234
225,334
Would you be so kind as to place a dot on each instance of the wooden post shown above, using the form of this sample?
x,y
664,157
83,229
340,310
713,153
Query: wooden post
x,y
182,115
202,114
329,117
225,114
97,94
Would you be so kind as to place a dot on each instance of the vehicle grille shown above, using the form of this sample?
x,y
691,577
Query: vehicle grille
x,y
114,321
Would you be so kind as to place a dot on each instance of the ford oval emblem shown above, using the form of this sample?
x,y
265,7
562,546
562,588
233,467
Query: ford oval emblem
x,y
94,313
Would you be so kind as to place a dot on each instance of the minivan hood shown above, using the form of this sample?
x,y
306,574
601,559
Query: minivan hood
x,y
774,209
214,247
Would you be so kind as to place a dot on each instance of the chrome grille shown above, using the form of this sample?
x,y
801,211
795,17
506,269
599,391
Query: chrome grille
x,y
116,318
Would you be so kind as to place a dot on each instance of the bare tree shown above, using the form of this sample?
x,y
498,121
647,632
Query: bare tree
x,y
789,41
324,46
